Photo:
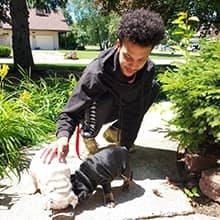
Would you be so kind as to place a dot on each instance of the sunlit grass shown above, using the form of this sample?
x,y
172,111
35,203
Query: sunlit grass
x,y
91,53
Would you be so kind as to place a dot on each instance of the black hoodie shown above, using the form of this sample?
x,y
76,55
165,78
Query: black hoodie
x,y
103,75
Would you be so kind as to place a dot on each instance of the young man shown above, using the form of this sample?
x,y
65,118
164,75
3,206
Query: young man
x,y
117,86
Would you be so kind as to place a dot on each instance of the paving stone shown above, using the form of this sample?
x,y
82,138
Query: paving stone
x,y
150,196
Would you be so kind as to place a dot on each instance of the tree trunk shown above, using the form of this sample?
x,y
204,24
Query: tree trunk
x,y
20,35
99,38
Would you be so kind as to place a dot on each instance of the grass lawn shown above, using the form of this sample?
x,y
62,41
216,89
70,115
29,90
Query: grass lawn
x,y
93,53
83,54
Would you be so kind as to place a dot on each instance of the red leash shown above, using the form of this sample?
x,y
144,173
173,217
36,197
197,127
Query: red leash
x,y
77,141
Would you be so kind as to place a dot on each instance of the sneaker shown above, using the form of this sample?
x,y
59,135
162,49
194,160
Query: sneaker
x,y
112,135
91,145
63,214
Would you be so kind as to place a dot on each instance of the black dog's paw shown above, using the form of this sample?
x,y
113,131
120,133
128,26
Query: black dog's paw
x,y
110,204
109,200
126,185
127,181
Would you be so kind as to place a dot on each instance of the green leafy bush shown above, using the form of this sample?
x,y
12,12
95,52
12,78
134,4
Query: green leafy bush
x,y
5,51
28,113
194,89
19,128
48,96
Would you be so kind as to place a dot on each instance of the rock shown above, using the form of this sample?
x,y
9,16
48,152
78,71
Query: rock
x,y
197,163
209,183
71,55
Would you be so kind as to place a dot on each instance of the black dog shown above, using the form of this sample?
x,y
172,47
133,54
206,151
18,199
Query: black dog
x,y
101,169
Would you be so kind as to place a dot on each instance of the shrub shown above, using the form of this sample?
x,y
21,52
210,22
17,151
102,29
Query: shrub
x,y
5,51
28,113
19,128
194,89
48,96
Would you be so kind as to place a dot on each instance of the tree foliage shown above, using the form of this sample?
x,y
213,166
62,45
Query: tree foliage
x,y
183,32
18,19
47,5
100,28
207,11
4,11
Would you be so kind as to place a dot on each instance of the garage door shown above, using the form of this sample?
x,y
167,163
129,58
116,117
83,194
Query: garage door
x,y
3,40
44,42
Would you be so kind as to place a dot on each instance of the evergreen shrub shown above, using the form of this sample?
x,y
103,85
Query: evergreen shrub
x,y
194,90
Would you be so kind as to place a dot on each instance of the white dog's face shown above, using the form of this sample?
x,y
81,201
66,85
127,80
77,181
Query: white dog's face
x,y
53,180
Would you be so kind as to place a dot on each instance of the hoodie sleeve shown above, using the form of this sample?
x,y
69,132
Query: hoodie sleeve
x,y
88,89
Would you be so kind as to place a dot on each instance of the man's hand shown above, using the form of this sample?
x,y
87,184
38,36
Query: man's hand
x,y
59,149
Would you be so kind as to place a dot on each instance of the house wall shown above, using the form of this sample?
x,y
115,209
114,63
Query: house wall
x,y
44,40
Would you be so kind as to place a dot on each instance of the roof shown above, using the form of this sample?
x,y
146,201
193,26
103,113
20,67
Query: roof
x,y
38,21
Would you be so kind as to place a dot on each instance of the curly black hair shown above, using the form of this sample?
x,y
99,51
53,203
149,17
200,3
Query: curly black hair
x,y
141,26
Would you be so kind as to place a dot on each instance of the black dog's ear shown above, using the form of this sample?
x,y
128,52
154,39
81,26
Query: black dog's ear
x,y
83,196
72,178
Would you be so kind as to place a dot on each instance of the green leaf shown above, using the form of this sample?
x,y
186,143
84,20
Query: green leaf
x,y
182,14
193,18
195,191
188,192
177,21
178,33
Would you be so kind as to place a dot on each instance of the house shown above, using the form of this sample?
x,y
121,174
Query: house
x,y
45,29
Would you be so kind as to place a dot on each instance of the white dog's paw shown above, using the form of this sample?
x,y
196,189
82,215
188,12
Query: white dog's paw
x,y
74,201
31,190
31,185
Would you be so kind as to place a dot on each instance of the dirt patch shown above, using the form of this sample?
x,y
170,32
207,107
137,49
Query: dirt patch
x,y
206,206
201,204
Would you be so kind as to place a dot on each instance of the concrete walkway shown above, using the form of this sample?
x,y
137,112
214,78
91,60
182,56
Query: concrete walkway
x,y
150,196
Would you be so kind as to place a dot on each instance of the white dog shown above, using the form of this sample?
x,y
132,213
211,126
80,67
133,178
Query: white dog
x,y
53,181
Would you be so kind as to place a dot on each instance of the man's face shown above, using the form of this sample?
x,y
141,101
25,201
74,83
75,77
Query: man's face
x,y
132,57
